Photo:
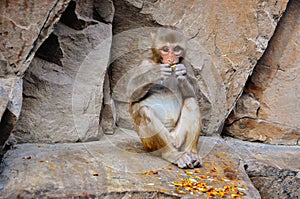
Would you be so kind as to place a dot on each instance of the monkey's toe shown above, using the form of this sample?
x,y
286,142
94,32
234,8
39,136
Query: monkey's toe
x,y
185,161
197,163
196,159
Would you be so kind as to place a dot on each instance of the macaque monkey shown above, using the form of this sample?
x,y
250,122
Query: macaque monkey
x,y
163,105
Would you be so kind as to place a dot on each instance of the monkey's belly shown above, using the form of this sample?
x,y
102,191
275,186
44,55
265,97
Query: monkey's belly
x,y
166,106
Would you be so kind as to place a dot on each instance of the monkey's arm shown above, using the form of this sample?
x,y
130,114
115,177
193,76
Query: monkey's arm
x,y
142,80
186,80
136,83
186,87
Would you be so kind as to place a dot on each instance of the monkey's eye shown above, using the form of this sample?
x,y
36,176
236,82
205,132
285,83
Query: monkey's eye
x,y
177,49
165,49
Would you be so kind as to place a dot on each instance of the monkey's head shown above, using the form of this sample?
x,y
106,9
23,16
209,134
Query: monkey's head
x,y
168,46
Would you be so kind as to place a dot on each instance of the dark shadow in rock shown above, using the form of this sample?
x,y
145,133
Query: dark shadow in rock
x,y
50,50
71,18
103,11
7,123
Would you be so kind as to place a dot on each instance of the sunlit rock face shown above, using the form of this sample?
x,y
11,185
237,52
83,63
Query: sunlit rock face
x,y
63,86
226,39
223,48
274,114
71,86
24,27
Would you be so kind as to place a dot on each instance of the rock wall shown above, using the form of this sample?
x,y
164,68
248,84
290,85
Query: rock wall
x,y
223,49
273,170
63,87
225,41
24,27
268,111
67,88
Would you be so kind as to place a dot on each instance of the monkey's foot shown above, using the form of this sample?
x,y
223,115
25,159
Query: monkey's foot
x,y
187,161
196,159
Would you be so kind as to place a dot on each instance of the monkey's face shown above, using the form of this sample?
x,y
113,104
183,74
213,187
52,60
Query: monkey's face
x,y
170,54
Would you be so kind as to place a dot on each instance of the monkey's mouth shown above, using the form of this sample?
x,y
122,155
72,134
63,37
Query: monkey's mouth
x,y
170,60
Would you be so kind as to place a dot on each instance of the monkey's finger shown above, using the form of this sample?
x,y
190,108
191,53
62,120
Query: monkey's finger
x,y
180,67
164,65
180,73
166,70
182,161
165,74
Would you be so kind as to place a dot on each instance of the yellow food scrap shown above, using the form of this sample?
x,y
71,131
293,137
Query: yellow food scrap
x,y
180,191
147,173
194,185
51,165
213,169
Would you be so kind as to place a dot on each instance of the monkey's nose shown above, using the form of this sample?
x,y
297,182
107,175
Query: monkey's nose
x,y
171,52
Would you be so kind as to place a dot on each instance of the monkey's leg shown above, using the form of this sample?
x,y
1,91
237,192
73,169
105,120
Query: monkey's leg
x,y
187,131
155,137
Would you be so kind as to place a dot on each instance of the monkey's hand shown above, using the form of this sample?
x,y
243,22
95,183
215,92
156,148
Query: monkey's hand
x,y
165,71
180,71
185,86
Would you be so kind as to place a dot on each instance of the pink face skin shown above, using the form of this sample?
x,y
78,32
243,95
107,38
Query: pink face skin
x,y
170,54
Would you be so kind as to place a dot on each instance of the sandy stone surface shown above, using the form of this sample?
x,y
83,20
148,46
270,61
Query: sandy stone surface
x,y
117,166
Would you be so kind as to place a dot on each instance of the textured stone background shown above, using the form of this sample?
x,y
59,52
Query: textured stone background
x,y
60,62
268,111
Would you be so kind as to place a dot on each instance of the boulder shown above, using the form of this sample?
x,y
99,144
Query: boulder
x,y
225,41
118,166
273,170
63,87
10,108
24,26
274,115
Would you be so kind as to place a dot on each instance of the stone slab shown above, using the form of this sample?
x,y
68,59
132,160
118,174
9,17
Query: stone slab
x,y
117,166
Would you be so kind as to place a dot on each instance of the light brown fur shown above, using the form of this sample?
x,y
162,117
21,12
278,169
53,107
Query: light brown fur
x,y
178,143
